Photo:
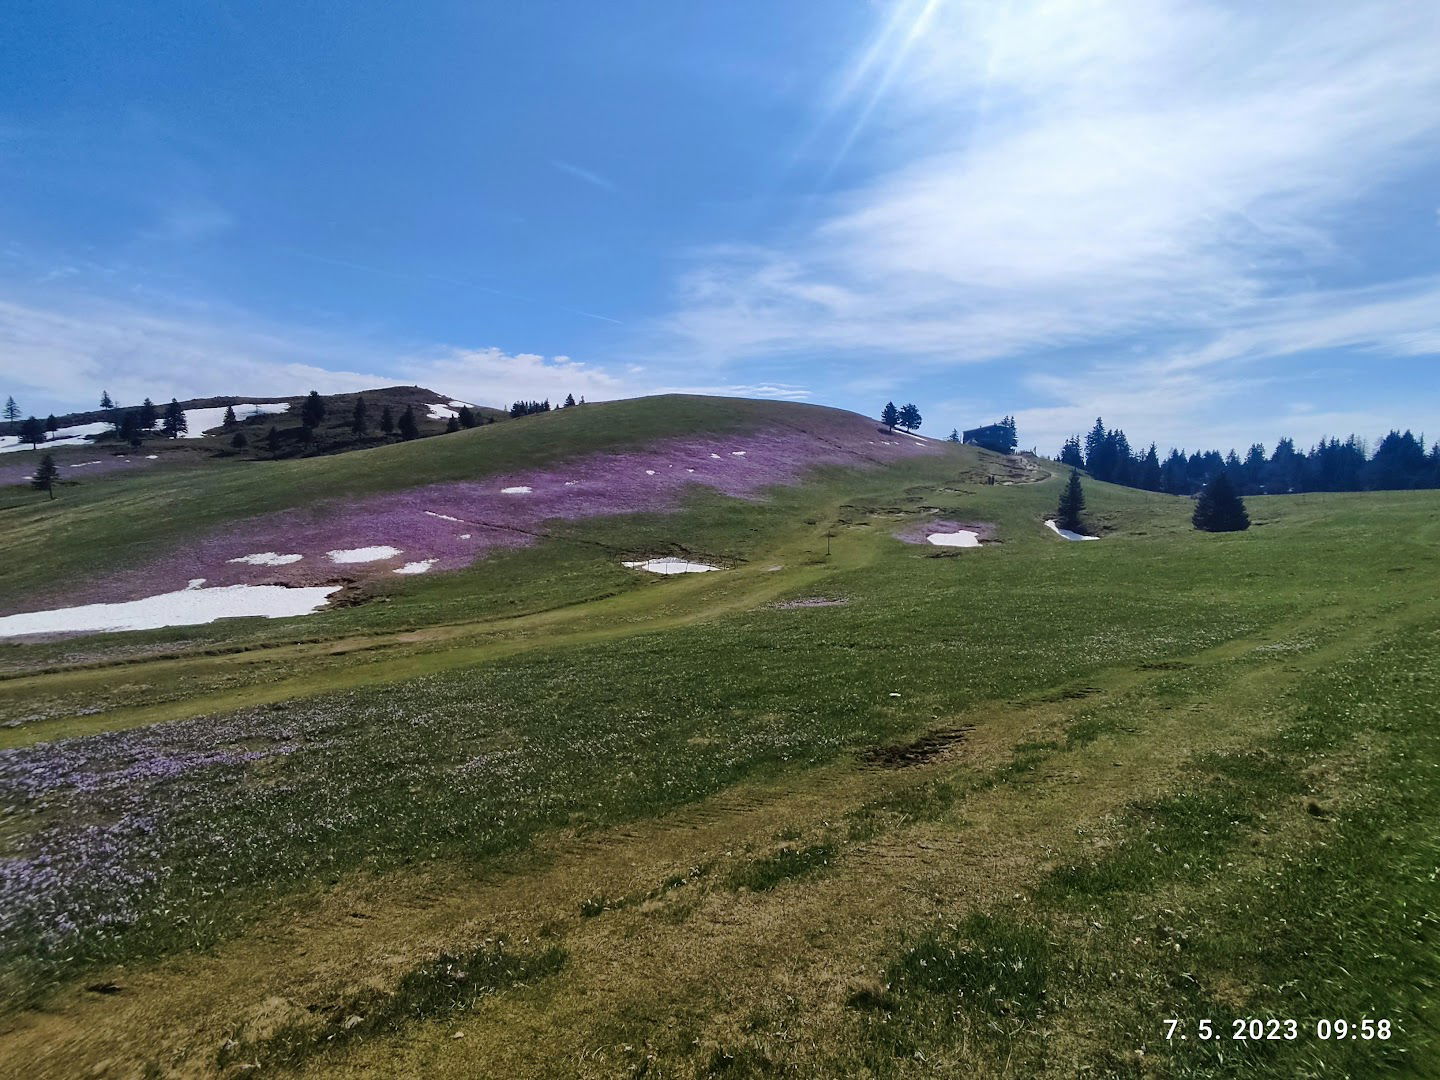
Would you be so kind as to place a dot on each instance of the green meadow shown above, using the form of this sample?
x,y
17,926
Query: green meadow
x,y
1038,808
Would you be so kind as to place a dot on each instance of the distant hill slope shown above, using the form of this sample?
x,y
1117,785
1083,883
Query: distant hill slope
x,y
444,501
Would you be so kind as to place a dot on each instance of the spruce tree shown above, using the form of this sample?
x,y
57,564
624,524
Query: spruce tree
x,y
387,421
239,442
569,401
129,427
466,417
149,416
46,475
106,401
1219,507
175,423
313,411
954,434
272,440
909,417
452,425
1008,435
409,429
359,422
1072,503
51,424
1070,453
33,432
229,421
12,411
890,416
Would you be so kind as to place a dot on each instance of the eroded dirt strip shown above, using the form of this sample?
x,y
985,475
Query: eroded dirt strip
x,y
678,971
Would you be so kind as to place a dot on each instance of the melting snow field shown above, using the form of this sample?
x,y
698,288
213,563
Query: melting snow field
x,y
1066,533
670,566
363,554
963,538
267,558
188,607
443,412
199,421
66,436
416,567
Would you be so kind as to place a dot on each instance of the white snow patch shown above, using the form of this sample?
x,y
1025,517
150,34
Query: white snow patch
x,y
442,517
737,453
689,470
152,457
194,583
715,456
520,489
199,421
82,464
649,472
1066,533
670,566
65,436
363,554
442,412
571,483
416,567
187,607
464,536
460,405
267,558
960,538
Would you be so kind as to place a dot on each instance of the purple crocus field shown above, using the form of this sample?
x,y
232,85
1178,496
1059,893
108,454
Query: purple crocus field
x,y
456,523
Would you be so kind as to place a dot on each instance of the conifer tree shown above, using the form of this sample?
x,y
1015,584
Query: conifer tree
x,y
149,416
1070,453
1072,504
51,424
954,434
175,423
409,429
313,411
127,425
466,417
106,401
1008,435
890,416
46,475
569,401
359,422
1219,507
12,411
229,421
272,440
387,421
33,432
909,417
239,442
452,425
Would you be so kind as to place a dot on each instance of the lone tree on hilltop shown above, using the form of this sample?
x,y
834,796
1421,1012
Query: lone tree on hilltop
x,y
33,432
359,420
229,421
890,416
175,423
1219,507
46,475
1072,502
466,417
106,401
909,417
387,421
409,429
313,411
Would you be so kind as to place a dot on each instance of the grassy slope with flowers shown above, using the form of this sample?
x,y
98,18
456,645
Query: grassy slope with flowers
x,y
1195,784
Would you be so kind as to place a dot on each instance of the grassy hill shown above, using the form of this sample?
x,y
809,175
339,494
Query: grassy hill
x,y
851,805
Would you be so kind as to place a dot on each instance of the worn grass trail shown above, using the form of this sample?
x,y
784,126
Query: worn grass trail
x,y
667,961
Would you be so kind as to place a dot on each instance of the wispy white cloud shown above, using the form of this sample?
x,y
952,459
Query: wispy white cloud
x,y
592,178
1079,174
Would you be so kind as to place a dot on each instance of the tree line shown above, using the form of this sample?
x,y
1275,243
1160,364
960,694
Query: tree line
x,y
1399,462
530,408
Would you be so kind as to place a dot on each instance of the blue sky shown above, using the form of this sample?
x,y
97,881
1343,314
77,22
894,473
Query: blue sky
x,y
1210,223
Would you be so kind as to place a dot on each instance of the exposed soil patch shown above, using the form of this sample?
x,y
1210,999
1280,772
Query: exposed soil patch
x,y
927,747
920,532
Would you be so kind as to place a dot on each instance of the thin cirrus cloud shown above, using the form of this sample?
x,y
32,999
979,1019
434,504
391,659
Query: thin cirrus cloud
x,y
592,178
1060,176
